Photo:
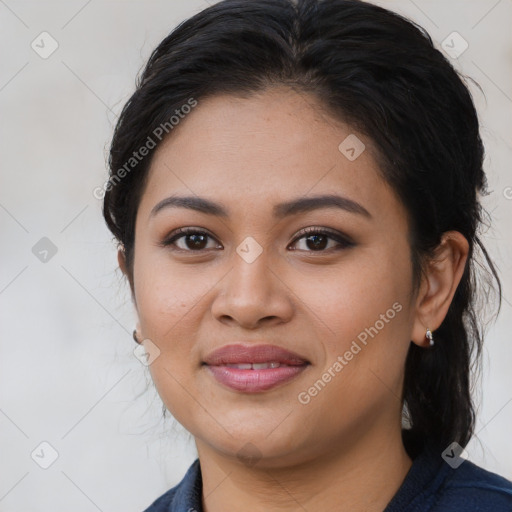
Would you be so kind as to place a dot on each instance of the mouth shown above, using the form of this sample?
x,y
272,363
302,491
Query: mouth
x,y
254,368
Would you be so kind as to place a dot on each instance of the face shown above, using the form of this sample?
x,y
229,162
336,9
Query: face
x,y
271,263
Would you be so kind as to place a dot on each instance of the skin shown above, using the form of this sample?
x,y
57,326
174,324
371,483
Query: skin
x,y
342,450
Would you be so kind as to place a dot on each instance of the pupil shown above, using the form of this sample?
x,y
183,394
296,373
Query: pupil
x,y
197,241
316,243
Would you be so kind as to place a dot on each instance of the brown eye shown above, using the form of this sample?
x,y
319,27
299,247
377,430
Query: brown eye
x,y
316,240
186,239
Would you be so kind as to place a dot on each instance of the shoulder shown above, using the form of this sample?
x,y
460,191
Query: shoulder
x,y
471,488
434,485
184,497
162,503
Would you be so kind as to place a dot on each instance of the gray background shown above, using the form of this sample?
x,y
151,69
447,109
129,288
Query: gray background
x,y
67,372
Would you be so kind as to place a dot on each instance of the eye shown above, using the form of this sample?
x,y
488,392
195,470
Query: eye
x,y
317,240
314,239
191,239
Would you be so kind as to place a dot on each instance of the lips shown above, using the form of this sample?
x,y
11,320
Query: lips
x,y
253,354
254,368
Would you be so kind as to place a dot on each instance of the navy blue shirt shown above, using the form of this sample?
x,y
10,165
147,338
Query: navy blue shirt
x,y
431,485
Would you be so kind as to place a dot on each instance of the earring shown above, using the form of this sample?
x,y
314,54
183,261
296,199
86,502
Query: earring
x,y
430,337
134,334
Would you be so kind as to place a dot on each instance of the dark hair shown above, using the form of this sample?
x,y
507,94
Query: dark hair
x,y
381,74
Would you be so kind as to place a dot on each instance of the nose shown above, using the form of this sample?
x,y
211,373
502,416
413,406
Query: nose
x,y
252,295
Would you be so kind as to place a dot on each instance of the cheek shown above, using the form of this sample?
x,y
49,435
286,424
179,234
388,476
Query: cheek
x,y
363,312
369,288
365,343
166,292
170,306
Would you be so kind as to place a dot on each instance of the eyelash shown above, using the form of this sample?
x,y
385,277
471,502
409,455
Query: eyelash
x,y
344,242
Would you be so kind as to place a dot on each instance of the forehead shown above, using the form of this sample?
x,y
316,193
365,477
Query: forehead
x,y
264,149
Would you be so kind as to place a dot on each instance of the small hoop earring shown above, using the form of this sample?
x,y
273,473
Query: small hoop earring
x,y
430,337
134,334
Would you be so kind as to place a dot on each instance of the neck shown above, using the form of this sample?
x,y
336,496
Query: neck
x,y
363,477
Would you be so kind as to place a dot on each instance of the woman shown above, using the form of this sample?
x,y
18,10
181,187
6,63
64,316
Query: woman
x,y
294,188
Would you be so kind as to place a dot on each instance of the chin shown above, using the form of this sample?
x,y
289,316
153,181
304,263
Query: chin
x,y
256,447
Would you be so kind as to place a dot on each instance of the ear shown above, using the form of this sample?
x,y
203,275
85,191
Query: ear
x,y
438,285
121,260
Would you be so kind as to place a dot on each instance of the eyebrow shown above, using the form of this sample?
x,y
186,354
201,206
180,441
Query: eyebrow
x,y
300,205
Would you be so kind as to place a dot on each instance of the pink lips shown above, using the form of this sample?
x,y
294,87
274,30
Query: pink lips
x,y
254,368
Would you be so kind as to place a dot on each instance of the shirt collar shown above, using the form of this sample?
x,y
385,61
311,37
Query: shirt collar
x,y
188,494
